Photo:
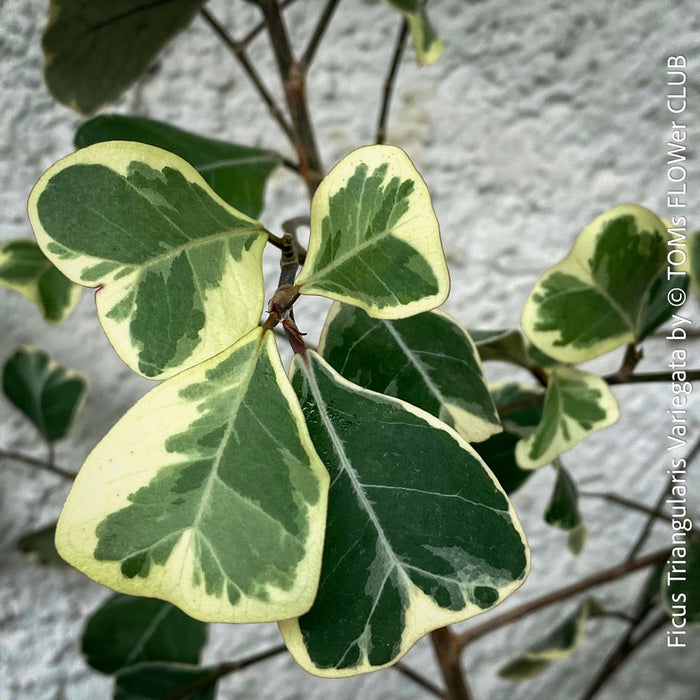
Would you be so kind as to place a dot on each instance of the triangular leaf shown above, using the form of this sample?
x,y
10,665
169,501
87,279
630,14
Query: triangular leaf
x,y
125,631
25,269
596,298
156,681
39,548
428,360
680,584
419,533
426,42
238,174
178,270
375,241
94,50
49,394
576,405
562,510
207,493
559,644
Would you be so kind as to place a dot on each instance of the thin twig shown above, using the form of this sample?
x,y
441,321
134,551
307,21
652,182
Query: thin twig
x,y
597,579
260,26
389,81
692,375
38,463
627,503
447,648
319,31
422,681
238,49
632,358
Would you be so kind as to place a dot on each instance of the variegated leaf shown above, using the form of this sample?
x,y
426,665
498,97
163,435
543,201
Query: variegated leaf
x,y
428,360
576,405
426,42
375,241
178,271
208,493
420,535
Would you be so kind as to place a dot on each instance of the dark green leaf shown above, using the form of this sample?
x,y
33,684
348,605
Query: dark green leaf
x,y
238,174
562,510
39,548
47,393
155,681
125,631
658,309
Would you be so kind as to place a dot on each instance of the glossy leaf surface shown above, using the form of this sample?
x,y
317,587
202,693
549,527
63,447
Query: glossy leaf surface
x,y
375,241
428,360
208,493
419,533
178,271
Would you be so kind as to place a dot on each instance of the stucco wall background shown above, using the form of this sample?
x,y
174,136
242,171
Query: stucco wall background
x,y
539,116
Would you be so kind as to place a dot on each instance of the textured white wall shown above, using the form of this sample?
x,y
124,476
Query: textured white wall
x,y
538,116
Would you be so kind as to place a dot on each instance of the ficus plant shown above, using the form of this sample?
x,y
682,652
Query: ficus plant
x,y
360,497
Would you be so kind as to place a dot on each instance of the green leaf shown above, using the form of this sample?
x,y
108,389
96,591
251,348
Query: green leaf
x,y
218,506
596,298
95,50
559,644
155,681
126,631
509,346
562,510
40,549
178,271
428,360
419,533
426,42
520,409
680,584
238,174
25,269
47,393
576,405
375,241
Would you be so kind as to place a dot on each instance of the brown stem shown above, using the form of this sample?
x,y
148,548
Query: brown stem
x,y
238,49
632,358
692,375
389,81
447,648
260,27
38,463
627,503
423,682
317,35
291,226
294,83
597,579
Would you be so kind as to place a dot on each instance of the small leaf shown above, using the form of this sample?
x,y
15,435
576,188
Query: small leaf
x,y
375,241
40,549
559,644
520,409
49,394
596,298
126,631
207,493
25,269
680,585
509,346
562,510
178,271
95,50
426,42
419,533
155,681
576,405
428,360
238,174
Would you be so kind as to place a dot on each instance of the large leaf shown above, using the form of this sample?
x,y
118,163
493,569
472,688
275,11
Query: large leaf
x,y
576,405
238,174
25,269
49,394
680,584
419,533
559,644
425,40
208,493
375,241
520,409
596,298
125,631
563,512
156,681
39,548
428,360
95,49
178,271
